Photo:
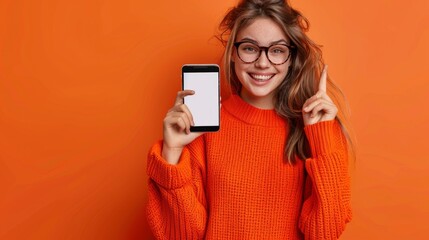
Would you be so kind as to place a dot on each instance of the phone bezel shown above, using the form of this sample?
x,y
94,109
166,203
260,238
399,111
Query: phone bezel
x,y
192,68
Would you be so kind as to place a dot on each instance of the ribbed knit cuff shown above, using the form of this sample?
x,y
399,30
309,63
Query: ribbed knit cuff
x,y
167,175
323,137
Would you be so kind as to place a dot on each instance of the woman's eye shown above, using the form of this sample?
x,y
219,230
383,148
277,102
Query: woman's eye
x,y
249,49
277,50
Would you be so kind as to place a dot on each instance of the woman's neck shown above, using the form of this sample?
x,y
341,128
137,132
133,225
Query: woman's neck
x,y
265,102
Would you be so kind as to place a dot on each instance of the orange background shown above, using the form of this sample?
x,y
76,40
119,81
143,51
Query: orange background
x,y
84,86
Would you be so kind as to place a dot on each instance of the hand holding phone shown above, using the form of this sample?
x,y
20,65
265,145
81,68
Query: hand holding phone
x,y
176,128
181,127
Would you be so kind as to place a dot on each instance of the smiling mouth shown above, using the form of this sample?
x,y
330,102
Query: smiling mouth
x,y
261,78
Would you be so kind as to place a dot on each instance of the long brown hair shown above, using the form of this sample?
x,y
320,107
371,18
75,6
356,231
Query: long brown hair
x,y
304,72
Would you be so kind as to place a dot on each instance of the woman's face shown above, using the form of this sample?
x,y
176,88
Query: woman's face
x,y
260,78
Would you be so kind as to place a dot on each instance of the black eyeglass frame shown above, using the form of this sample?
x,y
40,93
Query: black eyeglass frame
x,y
265,49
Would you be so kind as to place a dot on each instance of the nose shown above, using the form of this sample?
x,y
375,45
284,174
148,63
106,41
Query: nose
x,y
263,61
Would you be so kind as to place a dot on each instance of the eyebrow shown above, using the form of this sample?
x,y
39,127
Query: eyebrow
x,y
256,42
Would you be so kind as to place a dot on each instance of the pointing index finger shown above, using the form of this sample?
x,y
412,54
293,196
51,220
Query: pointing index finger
x,y
323,79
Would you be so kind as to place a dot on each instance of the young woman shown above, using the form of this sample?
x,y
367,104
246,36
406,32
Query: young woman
x,y
278,168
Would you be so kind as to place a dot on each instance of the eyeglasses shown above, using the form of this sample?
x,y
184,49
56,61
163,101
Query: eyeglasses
x,y
249,52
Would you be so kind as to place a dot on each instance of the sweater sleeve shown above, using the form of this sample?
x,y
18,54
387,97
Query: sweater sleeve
x,y
177,205
327,201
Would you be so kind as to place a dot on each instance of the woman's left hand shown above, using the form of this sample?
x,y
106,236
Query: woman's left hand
x,y
319,107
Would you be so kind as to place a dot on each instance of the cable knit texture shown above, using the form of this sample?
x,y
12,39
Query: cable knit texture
x,y
236,184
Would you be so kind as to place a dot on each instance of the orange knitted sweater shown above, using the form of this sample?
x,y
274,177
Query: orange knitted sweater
x,y
236,184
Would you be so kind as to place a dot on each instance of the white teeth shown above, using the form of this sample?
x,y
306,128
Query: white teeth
x,y
261,77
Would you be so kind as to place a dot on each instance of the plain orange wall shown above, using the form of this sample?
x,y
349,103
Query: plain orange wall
x,y
84,86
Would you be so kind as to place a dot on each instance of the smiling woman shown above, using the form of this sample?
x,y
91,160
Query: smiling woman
x,y
288,149
259,76
84,86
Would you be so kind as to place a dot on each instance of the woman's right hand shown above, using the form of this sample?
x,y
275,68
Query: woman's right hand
x,y
177,124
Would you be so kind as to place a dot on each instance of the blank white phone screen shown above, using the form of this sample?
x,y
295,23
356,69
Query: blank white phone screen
x,y
204,104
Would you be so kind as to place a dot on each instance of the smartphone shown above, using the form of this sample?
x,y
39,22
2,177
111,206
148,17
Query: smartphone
x,y
205,103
